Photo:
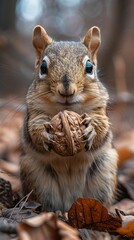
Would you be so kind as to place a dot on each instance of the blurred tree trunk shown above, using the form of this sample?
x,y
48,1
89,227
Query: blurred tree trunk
x,y
119,11
7,14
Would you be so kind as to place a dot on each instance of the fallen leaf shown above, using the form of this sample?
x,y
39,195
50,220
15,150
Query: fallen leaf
x,y
125,147
91,214
17,214
126,218
66,232
6,194
46,226
87,234
127,228
7,226
126,178
125,153
4,236
126,205
31,205
127,231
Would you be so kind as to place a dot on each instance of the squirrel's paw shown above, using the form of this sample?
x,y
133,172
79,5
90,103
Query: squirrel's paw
x,y
47,137
88,133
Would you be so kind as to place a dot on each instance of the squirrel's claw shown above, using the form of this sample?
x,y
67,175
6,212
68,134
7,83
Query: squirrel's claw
x,y
86,119
47,146
86,132
88,136
48,125
90,140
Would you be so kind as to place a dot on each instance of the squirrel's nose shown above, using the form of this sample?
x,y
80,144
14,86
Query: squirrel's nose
x,y
66,93
66,88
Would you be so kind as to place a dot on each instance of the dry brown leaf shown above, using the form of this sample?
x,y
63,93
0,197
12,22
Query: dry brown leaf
x,y
6,194
125,205
66,232
127,231
126,218
127,228
91,214
46,226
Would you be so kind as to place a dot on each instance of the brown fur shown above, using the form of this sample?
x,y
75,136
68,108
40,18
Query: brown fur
x,y
58,181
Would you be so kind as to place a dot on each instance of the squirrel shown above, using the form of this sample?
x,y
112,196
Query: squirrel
x,y
66,79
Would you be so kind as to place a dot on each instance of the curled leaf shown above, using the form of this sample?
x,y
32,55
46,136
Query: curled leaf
x,y
46,226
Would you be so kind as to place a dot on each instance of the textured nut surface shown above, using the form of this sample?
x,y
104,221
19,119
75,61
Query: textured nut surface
x,y
67,133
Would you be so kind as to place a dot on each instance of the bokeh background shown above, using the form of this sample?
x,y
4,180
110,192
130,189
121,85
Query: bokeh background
x,y
69,20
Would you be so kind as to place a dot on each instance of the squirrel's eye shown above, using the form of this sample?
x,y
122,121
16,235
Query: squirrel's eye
x,y
89,67
43,68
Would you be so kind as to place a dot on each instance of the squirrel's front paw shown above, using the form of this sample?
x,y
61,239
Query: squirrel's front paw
x,y
47,137
88,133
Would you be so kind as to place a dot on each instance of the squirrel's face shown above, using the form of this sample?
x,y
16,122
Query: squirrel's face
x,y
66,72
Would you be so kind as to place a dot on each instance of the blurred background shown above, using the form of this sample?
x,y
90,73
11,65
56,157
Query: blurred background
x,y
69,20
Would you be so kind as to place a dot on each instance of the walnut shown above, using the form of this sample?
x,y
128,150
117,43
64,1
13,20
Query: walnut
x,y
67,131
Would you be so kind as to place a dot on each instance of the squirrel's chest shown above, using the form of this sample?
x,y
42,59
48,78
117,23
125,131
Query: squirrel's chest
x,y
61,182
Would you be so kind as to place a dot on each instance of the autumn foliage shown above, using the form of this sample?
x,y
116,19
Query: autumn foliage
x,y
91,214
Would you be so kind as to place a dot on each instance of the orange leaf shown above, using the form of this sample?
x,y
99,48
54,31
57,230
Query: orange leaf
x,y
127,231
125,153
125,147
91,214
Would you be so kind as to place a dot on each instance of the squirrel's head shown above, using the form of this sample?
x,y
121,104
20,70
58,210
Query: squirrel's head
x,y
66,72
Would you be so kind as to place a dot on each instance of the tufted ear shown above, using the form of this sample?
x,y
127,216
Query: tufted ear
x,y
92,40
40,39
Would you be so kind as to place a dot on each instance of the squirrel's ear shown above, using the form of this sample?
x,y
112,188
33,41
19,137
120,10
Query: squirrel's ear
x,y
40,39
92,40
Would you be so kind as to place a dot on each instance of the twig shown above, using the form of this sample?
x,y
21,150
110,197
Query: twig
x,y
27,196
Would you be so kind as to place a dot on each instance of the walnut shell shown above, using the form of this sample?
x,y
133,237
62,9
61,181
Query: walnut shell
x,y
67,132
